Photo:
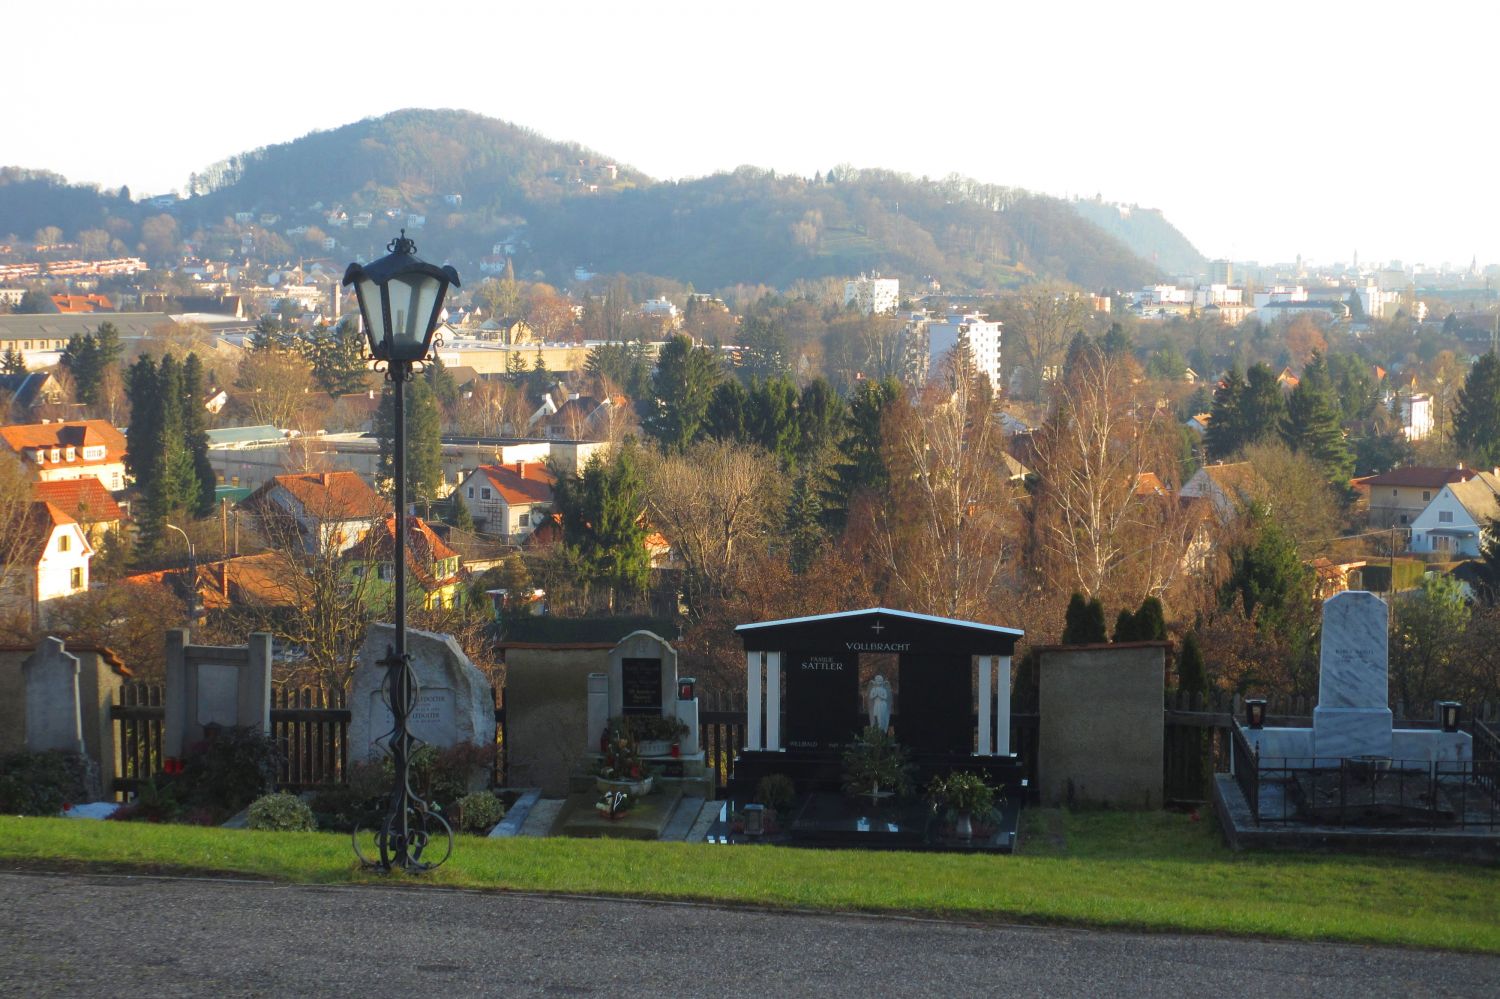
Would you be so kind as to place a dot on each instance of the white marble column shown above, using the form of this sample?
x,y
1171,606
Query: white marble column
x,y
985,668
752,708
773,700
1002,706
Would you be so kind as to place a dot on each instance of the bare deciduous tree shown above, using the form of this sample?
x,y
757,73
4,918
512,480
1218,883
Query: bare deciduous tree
x,y
716,503
1104,522
948,532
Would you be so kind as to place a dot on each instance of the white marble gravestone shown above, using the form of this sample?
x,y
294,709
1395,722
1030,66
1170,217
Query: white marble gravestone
x,y
1353,716
53,717
455,703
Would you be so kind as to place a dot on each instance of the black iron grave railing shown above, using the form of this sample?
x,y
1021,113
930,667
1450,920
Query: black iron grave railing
x,y
1367,791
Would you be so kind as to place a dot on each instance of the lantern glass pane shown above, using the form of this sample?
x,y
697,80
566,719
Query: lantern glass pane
x,y
413,300
372,309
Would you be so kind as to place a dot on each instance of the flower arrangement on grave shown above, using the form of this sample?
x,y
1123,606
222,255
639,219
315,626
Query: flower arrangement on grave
x,y
614,804
620,764
877,765
654,735
963,798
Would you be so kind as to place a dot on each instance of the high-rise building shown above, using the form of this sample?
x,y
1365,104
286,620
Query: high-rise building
x,y
873,294
983,339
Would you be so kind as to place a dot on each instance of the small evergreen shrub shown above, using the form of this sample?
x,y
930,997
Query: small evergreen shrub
x,y
776,792
230,769
479,812
281,812
41,783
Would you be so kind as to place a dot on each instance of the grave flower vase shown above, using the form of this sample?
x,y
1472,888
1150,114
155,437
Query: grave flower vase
x,y
964,826
635,787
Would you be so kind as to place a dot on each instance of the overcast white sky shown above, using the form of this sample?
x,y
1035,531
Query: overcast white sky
x,y
1263,130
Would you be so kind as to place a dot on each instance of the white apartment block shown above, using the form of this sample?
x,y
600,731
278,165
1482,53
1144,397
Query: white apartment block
x,y
983,337
873,294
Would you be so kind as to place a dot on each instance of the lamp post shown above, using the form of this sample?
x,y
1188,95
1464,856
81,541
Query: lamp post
x,y
192,585
400,299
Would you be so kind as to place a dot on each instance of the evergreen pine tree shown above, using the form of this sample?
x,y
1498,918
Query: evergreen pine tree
x,y
195,429
13,363
173,485
1094,632
681,389
1083,622
1150,621
864,464
424,444
145,415
1124,627
1225,436
1192,678
1476,416
1262,406
1312,423
804,528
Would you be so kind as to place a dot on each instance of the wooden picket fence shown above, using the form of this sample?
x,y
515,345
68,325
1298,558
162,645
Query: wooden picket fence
x,y
310,724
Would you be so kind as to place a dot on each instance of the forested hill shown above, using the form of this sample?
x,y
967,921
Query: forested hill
x,y
1147,232
479,181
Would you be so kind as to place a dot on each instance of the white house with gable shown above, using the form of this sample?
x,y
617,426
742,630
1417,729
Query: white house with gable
x,y
1454,522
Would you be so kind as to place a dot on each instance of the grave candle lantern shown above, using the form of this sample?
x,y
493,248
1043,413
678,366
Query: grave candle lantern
x,y
755,820
1255,712
685,685
1448,715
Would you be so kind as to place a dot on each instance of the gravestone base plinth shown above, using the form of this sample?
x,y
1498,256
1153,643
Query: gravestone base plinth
x,y
646,819
1348,732
688,775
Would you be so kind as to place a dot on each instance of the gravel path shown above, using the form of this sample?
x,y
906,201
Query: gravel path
x,y
115,935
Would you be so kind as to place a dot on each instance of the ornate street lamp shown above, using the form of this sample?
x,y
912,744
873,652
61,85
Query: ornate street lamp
x,y
400,301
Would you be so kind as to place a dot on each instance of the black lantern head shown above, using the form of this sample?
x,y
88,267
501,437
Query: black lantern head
x,y
400,299
1255,712
685,687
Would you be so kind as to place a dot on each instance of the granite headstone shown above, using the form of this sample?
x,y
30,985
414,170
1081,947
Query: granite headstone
x,y
53,718
455,702
822,700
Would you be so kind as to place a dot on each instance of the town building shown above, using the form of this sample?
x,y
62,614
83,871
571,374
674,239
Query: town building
x,y
1454,522
1398,496
52,452
49,561
873,294
323,511
508,500
982,336
432,568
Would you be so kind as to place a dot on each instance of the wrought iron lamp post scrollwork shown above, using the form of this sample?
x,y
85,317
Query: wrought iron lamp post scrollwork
x,y
400,303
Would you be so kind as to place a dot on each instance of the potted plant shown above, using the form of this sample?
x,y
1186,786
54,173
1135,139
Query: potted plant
x,y
776,792
877,765
655,735
962,796
620,766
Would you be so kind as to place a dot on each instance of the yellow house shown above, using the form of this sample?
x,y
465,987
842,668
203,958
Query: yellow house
x,y
432,568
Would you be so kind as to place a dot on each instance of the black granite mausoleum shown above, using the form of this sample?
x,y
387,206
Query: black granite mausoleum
x,y
948,714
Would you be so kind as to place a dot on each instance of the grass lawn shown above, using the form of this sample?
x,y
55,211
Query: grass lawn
x,y
1155,871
